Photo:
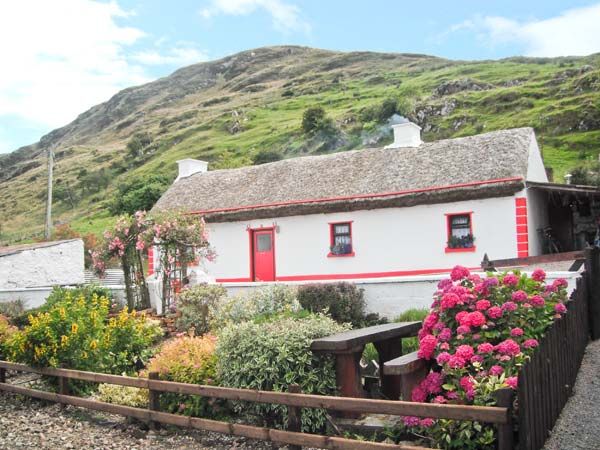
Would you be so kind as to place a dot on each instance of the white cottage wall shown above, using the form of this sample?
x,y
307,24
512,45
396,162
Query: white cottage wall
x,y
537,217
386,242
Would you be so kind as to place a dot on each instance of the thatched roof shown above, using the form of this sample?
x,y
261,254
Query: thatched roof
x,y
487,165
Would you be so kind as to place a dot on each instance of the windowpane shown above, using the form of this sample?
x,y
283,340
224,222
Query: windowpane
x,y
342,229
341,239
460,231
263,242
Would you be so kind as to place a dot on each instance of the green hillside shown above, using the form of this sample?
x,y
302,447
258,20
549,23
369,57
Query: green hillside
x,y
227,111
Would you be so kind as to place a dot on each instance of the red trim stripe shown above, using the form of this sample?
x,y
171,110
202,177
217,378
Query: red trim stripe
x,y
150,260
347,276
356,197
522,228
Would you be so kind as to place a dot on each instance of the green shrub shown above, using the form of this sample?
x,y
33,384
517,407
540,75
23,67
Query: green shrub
x,y
266,156
12,309
258,304
6,331
314,119
271,356
344,302
411,315
139,194
196,304
77,334
123,395
187,359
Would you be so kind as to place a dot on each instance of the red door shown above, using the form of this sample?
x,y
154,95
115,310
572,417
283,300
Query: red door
x,y
263,255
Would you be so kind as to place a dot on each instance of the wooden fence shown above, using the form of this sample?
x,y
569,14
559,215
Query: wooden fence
x,y
546,381
498,415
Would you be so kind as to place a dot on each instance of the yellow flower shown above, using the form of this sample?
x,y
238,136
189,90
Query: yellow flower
x,y
93,344
74,328
63,313
64,340
85,355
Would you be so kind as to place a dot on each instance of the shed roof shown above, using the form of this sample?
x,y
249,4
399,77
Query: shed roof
x,y
13,249
486,165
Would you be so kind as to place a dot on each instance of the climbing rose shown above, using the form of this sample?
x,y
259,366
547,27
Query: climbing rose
x,y
459,272
519,296
494,312
515,332
427,346
464,351
511,279
512,382
560,308
482,305
476,319
486,347
530,343
538,275
508,347
496,370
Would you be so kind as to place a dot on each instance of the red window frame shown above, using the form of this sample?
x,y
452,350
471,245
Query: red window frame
x,y
332,239
449,231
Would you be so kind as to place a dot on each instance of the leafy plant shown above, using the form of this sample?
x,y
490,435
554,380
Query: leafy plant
x,y
139,194
266,156
187,359
344,302
13,308
466,241
272,356
123,395
196,304
6,331
314,119
411,315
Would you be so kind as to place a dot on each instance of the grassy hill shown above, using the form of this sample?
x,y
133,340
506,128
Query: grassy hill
x,y
226,111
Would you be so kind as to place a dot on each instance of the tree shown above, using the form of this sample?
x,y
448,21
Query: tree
x,y
139,194
267,156
137,144
314,119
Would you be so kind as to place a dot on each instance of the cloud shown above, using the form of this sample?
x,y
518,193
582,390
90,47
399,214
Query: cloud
x,y
285,17
178,56
61,57
573,32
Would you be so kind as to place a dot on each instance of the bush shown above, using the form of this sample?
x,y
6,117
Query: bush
x,y
139,194
271,356
12,309
315,119
411,315
259,304
344,302
6,331
196,304
267,156
123,395
187,359
77,334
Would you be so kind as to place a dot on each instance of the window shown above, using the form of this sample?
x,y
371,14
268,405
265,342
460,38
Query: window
x,y
341,239
460,233
263,242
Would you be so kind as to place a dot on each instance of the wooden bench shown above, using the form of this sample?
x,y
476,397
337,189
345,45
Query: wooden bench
x,y
348,348
409,370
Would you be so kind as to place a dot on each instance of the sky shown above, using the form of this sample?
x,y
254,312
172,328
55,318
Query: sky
x,y
62,57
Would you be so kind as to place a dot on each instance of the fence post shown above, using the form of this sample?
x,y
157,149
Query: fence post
x,y
294,416
153,400
2,371
504,399
592,269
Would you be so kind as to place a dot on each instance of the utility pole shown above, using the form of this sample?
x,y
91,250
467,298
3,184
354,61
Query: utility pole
x,y
48,229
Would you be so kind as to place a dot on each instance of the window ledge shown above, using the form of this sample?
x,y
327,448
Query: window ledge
x,y
460,250
333,255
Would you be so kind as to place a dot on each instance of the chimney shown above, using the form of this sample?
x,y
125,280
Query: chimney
x,y
188,167
406,134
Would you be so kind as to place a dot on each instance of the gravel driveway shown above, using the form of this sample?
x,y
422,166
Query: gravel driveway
x,y
30,424
578,427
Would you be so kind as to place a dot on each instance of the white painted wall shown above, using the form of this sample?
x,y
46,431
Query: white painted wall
x,y
384,240
535,165
60,264
537,217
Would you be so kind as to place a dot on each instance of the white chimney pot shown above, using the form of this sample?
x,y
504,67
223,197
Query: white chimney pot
x,y
406,134
189,167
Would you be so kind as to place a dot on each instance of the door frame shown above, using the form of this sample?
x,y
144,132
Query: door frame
x,y
251,232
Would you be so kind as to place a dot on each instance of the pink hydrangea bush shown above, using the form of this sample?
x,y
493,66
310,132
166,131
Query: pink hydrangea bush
x,y
478,334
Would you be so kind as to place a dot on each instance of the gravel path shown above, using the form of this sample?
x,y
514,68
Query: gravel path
x,y
30,424
578,427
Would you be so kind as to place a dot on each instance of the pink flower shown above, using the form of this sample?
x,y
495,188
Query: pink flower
x,y
476,359
449,301
537,300
530,343
516,332
418,394
430,320
464,351
512,382
445,334
456,362
432,383
427,346
476,336
485,348
482,305
560,282
462,317
519,296
466,383
496,371
463,329
491,281
476,319
444,284
494,312
538,275
443,358
560,308
451,395
426,422
508,347
459,272
444,346
510,279
440,399
411,421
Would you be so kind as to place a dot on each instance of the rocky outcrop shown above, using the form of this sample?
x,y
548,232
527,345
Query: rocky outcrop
x,y
465,84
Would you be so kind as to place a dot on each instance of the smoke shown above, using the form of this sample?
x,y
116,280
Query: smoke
x,y
382,132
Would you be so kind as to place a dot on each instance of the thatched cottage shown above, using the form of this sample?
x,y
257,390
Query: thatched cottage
x,y
410,208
